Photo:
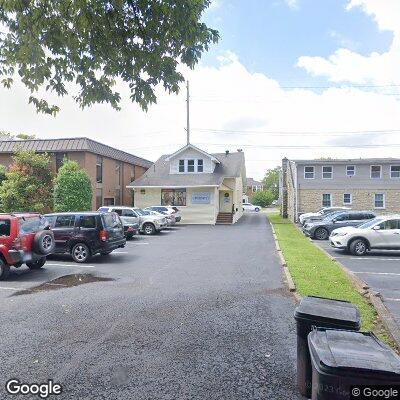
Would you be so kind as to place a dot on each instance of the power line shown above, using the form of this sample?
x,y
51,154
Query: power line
x,y
289,133
303,146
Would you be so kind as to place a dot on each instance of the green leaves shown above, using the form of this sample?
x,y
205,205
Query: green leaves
x,y
92,43
262,199
28,184
72,189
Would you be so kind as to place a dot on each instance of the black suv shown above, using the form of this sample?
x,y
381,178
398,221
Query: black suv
x,y
84,234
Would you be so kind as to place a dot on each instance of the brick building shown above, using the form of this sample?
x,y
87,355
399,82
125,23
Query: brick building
x,y
110,169
362,184
253,186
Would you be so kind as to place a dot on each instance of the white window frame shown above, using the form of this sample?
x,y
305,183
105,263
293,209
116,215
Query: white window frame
x,y
322,171
347,174
351,199
309,166
394,177
331,199
197,165
184,166
380,171
384,201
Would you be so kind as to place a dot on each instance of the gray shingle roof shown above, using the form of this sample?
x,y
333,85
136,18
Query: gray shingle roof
x,y
253,182
72,144
231,165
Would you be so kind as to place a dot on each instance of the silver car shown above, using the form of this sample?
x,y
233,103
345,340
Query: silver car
x,y
147,224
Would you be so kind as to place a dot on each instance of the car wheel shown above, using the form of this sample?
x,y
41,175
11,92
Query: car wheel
x,y
358,247
37,264
43,242
321,234
4,270
256,209
80,253
149,229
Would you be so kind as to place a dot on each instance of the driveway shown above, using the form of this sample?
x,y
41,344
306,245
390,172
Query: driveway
x,y
196,312
379,269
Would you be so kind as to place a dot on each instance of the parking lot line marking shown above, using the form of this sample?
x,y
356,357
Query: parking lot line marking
x,y
120,252
10,288
378,273
371,258
390,299
70,265
138,244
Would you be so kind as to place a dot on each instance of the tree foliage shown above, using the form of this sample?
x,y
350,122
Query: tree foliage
x,y
262,198
73,189
28,184
92,43
271,181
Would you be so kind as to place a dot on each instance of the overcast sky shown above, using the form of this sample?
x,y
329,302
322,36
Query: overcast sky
x,y
286,77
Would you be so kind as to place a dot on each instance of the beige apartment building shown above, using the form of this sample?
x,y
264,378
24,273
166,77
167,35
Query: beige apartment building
x,y
110,169
361,184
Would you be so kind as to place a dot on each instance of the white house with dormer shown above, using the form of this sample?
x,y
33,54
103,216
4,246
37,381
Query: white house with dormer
x,y
206,188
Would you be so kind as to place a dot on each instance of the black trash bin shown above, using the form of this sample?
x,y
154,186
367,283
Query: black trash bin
x,y
319,312
343,360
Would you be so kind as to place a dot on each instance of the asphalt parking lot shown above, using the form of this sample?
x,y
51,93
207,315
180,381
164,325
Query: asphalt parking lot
x,y
195,312
380,269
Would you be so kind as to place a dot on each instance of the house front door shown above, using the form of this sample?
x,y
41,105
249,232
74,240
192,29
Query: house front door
x,y
225,201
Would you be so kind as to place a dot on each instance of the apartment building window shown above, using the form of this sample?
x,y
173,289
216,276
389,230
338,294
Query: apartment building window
x,y
118,171
350,170
99,169
133,174
379,200
190,165
99,198
326,200
376,171
309,172
117,196
395,171
256,188
181,165
200,165
347,199
327,172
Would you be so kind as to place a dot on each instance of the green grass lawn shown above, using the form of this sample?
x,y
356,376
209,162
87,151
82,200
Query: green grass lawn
x,y
316,274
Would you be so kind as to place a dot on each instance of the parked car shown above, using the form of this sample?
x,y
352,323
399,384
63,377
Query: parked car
x,y
250,207
379,233
169,217
149,223
128,217
167,210
320,215
321,229
24,238
84,234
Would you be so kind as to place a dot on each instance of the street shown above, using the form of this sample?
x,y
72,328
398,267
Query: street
x,y
380,269
195,312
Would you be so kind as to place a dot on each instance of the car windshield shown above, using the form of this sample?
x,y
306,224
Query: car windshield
x,y
370,223
332,216
31,224
142,212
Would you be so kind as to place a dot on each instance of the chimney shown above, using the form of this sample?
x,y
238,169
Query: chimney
x,y
226,152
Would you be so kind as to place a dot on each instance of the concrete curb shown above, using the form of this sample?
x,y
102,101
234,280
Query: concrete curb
x,y
288,276
362,287
384,315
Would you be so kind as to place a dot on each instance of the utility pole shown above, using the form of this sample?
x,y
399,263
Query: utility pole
x,y
187,114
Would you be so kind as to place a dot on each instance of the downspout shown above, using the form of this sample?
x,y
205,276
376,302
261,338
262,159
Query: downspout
x,y
296,208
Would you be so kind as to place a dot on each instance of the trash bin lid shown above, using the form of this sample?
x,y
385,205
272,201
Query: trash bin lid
x,y
319,309
349,350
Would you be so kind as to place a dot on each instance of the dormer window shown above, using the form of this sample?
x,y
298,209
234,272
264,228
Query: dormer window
x,y
190,166
181,165
200,165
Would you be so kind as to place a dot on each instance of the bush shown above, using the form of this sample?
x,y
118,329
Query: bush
x,y
263,199
28,184
73,189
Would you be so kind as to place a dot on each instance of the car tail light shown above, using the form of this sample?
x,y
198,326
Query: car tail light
x,y
103,235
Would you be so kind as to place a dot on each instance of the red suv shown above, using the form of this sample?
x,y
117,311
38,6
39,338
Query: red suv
x,y
24,238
